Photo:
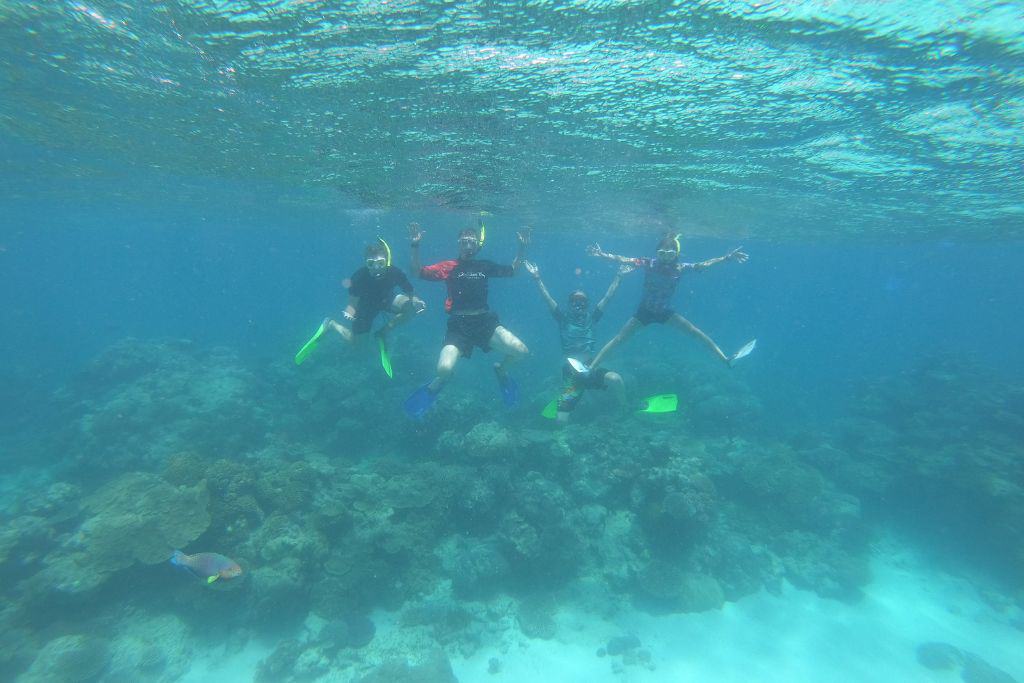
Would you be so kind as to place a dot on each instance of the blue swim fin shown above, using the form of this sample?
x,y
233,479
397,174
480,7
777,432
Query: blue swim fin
x,y
509,390
421,400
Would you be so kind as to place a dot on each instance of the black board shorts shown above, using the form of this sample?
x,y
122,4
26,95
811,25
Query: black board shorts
x,y
646,316
595,379
368,312
468,331
574,385
364,319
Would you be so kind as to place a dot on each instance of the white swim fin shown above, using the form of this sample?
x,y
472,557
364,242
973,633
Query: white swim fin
x,y
745,351
578,367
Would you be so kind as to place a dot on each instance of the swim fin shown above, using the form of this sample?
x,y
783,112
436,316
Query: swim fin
x,y
385,358
578,367
308,347
421,400
744,352
509,390
662,403
211,579
550,410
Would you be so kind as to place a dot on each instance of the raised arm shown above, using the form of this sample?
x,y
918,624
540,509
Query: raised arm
x,y
524,241
596,250
534,272
624,269
415,236
736,255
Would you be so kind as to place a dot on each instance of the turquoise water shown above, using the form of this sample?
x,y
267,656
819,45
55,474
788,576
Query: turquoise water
x,y
185,186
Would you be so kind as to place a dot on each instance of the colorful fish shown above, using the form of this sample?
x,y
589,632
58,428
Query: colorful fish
x,y
208,566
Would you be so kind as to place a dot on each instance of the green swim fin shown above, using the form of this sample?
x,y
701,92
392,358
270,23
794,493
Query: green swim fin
x,y
308,347
211,579
385,359
551,410
662,403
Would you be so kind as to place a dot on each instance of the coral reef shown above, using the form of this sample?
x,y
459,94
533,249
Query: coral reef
x,y
136,518
466,525
69,659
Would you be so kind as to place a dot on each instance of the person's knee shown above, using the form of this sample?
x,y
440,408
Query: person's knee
x,y
519,348
614,379
446,365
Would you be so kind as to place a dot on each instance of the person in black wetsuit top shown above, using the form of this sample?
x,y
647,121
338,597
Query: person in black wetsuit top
x,y
576,329
661,277
471,323
371,291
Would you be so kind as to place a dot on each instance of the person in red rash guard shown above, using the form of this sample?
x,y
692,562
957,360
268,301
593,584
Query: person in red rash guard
x,y
471,322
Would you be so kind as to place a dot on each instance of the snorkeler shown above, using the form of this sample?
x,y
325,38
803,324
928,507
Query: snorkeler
x,y
661,276
372,291
576,327
471,323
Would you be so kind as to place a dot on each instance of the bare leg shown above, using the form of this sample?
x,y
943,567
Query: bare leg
x,y
508,344
618,387
680,323
445,367
404,311
625,333
345,333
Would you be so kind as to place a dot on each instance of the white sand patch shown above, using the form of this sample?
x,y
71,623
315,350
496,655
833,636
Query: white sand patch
x,y
218,664
796,636
792,637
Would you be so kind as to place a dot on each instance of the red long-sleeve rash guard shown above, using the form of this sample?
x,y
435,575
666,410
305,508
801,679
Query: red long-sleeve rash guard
x,y
466,281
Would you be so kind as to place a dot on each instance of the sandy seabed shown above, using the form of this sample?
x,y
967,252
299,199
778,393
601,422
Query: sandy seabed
x,y
792,636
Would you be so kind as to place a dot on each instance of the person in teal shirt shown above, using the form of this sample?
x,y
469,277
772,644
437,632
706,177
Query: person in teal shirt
x,y
576,329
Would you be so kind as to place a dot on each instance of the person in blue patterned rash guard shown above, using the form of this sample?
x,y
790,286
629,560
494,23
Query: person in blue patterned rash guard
x,y
576,329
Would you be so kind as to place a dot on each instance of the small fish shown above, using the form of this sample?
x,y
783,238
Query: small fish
x,y
208,566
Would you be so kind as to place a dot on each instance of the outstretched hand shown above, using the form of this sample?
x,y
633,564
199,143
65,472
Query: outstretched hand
x,y
418,305
532,269
738,255
415,233
626,269
595,250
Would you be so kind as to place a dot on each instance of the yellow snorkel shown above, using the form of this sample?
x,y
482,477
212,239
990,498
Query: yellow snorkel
x,y
483,229
679,249
387,250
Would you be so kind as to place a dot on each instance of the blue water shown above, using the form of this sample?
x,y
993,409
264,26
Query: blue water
x,y
184,187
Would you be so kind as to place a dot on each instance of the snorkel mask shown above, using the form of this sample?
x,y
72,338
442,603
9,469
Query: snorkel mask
x,y
470,242
578,301
668,250
376,262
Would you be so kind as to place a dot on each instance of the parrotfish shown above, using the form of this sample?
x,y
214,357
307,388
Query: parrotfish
x,y
208,566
